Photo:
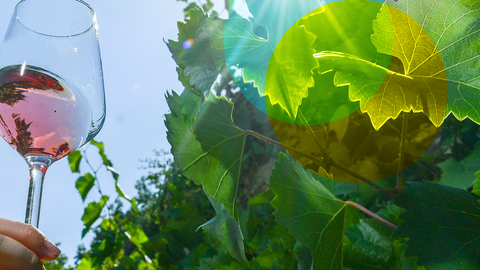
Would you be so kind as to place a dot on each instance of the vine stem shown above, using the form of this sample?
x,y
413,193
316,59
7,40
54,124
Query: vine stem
x,y
373,215
94,172
399,186
326,159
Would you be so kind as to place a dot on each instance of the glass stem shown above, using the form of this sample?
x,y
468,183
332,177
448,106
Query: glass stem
x,y
38,166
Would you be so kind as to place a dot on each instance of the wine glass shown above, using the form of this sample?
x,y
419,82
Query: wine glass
x,y
52,98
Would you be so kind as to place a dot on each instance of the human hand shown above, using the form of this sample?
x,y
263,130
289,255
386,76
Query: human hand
x,y
24,247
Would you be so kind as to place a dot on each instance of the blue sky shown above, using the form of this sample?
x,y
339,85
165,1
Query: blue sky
x,y
138,70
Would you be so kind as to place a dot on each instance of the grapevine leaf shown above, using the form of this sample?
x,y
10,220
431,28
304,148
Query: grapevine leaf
x,y
74,161
421,61
85,264
252,52
223,228
186,10
453,26
92,213
208,6
402,262
368,248
84,184
101,152
223,144
136,235
460,174
366,80
290,74
442,224
209,149
419,85
109,224
310,212
120,193
476,184
304,256
114,172
185,146
341,26
198,51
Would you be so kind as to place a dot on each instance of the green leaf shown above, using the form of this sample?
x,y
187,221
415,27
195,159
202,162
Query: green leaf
x,y
74,161
218,262
136,235
85,264
304,256
108,224
92,213
224,230
209,151
133,202
476,184
453,28
101,152
114,172
198,51
460,174
186,10
290,74
442,224
310,212
252,53
120,193
402,262
208,6
84,184
368,248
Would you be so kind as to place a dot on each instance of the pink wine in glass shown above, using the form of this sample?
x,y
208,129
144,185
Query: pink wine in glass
x,y
40,114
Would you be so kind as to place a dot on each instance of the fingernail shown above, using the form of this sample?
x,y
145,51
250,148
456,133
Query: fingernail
x,y
51,248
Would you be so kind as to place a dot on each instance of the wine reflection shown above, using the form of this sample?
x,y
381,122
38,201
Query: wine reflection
x,y
20,84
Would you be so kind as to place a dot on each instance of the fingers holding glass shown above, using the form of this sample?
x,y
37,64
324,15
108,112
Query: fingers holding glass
x,y
22,246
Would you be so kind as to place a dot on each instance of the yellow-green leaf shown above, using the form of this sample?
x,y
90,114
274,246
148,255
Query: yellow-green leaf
x,y
397,34
453,27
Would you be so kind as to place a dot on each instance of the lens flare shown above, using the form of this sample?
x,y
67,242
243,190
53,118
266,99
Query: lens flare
x,y
187,44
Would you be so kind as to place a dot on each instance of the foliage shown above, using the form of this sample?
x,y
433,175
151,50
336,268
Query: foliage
x,y
164,234
289,60
58,264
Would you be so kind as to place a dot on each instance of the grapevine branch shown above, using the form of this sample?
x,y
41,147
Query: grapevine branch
x,y
93,171
373,215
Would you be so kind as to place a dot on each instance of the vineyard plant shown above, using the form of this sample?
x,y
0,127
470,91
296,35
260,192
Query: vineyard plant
x,y
309,135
